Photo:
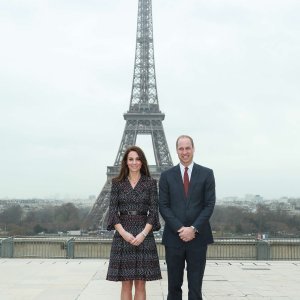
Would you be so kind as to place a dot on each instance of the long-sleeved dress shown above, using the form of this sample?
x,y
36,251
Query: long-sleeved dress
x,y
128,262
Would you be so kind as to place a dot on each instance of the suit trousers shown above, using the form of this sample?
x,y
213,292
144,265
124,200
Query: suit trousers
x,y
195,260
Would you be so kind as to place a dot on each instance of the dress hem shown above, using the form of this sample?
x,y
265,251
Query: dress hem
x,y
137,278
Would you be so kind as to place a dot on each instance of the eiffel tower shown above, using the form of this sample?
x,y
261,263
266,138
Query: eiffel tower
x,y
143,116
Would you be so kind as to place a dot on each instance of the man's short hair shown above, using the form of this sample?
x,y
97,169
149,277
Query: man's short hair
x,y
186,137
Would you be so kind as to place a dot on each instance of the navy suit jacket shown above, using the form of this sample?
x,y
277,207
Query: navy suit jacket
x,y
195,210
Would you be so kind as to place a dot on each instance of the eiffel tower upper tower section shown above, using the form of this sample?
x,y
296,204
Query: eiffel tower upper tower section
x,y
144,92
144,115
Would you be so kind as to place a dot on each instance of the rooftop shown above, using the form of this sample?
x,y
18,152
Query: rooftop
x,y
84,279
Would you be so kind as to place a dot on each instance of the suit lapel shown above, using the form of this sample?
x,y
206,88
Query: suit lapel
x,y
193,181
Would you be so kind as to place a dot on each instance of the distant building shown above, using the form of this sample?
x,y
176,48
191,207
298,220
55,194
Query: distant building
x,y
254,198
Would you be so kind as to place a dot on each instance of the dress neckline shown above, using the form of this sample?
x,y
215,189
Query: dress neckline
x,y
133,187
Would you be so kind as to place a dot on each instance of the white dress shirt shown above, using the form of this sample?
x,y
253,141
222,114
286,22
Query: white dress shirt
x,y
190,169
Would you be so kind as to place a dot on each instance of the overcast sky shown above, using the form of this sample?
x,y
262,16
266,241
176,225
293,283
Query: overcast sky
x,y
227,74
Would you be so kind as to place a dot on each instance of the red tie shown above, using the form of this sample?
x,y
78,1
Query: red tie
x,y
186,180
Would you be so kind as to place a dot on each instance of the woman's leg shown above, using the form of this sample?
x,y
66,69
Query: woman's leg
x,y
140,290
126,291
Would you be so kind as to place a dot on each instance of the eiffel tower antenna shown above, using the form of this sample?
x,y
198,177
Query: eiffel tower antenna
x,y
143,117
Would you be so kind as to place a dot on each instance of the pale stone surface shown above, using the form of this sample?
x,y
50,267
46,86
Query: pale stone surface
x,y
84,279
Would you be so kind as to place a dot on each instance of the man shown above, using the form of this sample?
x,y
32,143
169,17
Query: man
x,y
186,203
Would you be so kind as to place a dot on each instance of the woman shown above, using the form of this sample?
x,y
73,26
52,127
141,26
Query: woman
x,y
133,213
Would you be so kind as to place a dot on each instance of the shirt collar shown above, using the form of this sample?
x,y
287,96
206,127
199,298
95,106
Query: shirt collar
x,y
190,166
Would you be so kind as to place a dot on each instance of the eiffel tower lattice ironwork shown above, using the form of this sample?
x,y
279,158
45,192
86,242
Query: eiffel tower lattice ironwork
x,y
143,117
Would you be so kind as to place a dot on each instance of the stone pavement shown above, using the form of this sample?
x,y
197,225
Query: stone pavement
x,y
84,279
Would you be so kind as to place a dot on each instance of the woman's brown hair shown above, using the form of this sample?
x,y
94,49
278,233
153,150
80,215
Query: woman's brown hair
x,y
124,172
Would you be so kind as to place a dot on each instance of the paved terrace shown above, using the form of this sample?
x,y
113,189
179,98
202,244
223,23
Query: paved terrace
x,y
84,279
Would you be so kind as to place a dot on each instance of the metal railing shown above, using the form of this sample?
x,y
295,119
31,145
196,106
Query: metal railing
x,y
279,249
92,248
244,249
41,247
6,247
88,247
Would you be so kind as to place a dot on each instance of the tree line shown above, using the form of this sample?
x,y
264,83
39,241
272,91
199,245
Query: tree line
x,y
50,219
235,220
226,221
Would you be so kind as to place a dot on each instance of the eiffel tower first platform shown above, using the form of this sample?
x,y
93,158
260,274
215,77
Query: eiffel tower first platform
x,y
143,117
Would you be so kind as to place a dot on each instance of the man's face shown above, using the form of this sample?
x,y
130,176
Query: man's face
x,y
185,151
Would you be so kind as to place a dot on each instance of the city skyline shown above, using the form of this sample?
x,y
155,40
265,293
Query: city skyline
x,y
226,75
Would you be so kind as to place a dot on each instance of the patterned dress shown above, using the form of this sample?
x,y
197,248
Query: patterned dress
x,y
128,262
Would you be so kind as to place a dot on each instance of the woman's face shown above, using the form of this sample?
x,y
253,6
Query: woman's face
x,y
133,162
